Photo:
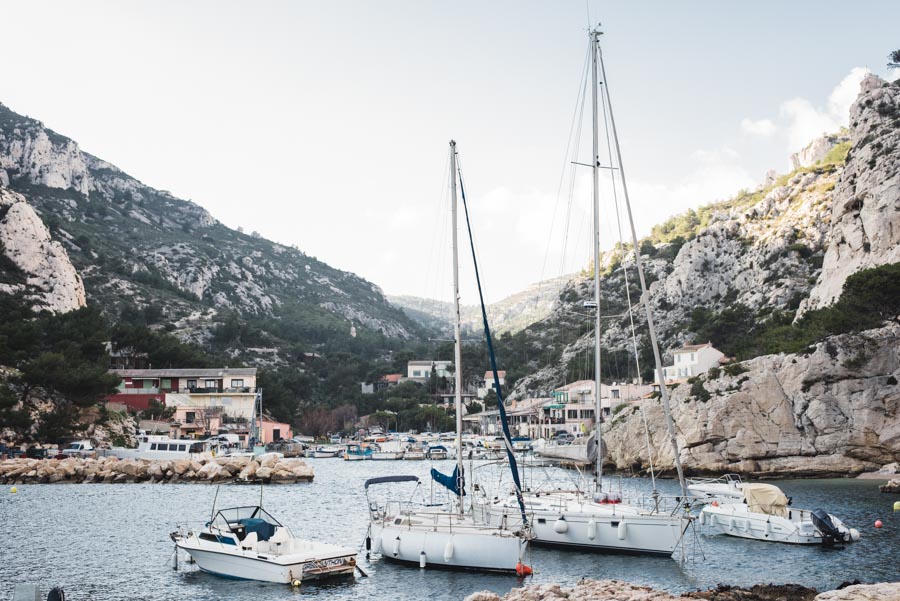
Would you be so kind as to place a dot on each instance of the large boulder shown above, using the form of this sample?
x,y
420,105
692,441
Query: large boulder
x,y
249,471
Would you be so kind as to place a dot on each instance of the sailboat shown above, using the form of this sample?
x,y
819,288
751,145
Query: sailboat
x,y
446,536
598,519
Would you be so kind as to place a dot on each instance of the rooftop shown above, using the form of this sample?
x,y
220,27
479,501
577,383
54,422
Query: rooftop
x,y
435,362
185,373
692,348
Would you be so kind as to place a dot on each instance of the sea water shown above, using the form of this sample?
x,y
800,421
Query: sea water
x,y
111,541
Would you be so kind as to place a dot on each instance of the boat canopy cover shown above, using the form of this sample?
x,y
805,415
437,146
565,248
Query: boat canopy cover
x,y
450,482
386,479
263,529
765,498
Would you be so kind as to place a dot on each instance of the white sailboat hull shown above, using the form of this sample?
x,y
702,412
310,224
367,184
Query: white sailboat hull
x,y
592,526
444,548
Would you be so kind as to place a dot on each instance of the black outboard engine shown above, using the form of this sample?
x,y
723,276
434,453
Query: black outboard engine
x,y
56,594
823,522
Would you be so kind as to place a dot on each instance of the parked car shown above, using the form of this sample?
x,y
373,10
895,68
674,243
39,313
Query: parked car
x,y
79,448
36,453
564,438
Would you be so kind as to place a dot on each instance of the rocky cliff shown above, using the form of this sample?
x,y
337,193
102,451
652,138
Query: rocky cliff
x,y
765,257
144,252
36,267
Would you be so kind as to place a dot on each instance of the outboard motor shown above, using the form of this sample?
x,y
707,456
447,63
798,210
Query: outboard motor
x,y
56,594
823,522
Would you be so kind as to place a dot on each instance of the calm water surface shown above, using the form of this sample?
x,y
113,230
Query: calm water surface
x,y
104,541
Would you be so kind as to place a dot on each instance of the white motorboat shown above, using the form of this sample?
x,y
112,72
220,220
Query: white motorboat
x,y
763,512
414,455
600,520
325,452
248,543
448,535
436,452
161,448
387,455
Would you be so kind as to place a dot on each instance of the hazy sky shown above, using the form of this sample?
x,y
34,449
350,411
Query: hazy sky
x,y
325,124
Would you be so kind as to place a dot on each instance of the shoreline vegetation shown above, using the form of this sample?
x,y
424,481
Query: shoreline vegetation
x,y
618,590
265,469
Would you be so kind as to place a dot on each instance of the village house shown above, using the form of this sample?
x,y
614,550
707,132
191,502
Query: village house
x,y
203,400
488,385
420,371
691,360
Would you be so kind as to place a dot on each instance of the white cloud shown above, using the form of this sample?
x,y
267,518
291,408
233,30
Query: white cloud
x,y
761,127
807,122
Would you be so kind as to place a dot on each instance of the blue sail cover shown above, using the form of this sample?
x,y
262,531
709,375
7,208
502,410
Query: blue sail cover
x,y
449,482
507,438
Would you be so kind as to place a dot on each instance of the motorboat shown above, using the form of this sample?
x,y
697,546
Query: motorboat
x,y
437,451
763,512
387,455
359,452
247,543
325,452
161,448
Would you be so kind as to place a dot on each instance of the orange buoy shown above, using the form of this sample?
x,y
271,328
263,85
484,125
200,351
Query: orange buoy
x,y
522,570
878,524
715,503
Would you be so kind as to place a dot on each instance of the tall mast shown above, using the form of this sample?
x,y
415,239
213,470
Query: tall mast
x,y
645,296
456,328
595,36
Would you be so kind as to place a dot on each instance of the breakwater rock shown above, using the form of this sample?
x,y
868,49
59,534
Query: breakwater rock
x,y
892,486
269,469
617,590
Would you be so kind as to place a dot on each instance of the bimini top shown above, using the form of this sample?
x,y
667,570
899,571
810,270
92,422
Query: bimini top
x,y
765,498
386,479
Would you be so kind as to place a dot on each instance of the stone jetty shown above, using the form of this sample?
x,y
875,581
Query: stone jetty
x,y
268,469
617,590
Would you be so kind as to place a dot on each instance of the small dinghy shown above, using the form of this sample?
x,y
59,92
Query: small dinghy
x,y
763,512
247,543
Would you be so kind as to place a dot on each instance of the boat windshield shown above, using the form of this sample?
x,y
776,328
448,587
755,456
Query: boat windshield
x,y
228,519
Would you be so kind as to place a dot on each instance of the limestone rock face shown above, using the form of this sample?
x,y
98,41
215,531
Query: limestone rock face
x,y
50,278
814,152
830,412
865,212
30,153
882,591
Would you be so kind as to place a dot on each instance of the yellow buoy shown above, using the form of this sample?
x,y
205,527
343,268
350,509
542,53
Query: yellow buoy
x,y
295,582
896,505
15,490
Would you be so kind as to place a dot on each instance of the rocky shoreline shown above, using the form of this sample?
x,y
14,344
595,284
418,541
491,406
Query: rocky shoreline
x,y
266,469
617,590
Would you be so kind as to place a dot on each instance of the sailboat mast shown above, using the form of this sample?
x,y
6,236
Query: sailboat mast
x,y
645,297
595,35
456,328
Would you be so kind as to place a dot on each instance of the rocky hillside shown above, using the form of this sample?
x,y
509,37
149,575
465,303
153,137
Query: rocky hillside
x,y
149,256
510,315
757,258
749,274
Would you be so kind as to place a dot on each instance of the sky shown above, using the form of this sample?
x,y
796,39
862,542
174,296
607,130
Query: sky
x,y
325,124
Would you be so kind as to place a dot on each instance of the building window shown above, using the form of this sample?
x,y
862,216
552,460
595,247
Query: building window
x,y
211,384
572,414
417,374
615,394
237,383
427,374
191,384
189,417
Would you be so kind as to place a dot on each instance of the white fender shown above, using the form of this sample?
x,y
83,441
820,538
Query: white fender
x,y
702,518
622,530
592,529
396,546
768,527
376,544
422,560
561,526
854,535
448,551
